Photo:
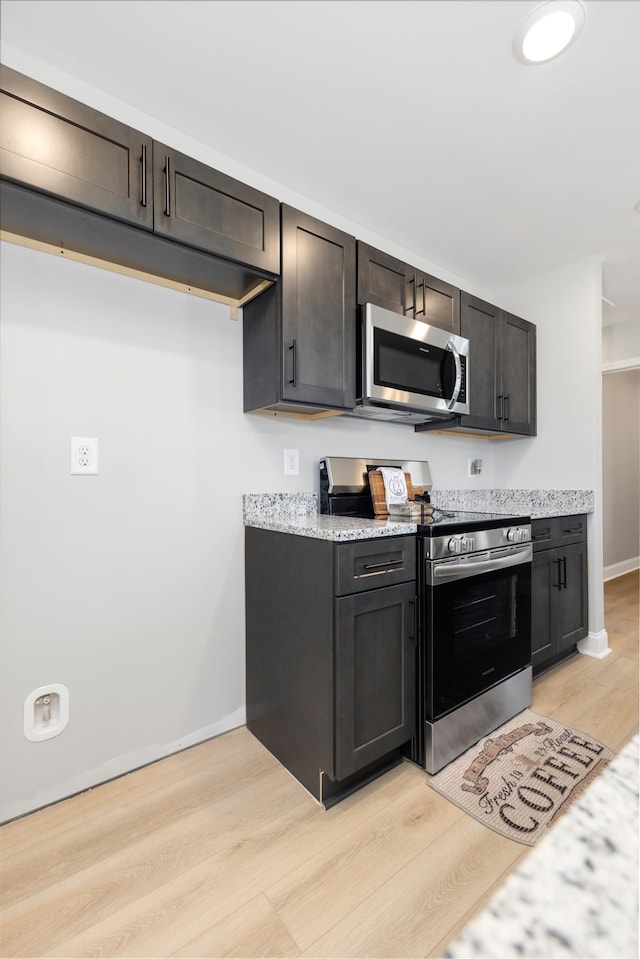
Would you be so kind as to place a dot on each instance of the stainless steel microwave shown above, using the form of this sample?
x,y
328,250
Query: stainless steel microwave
x,y
409,370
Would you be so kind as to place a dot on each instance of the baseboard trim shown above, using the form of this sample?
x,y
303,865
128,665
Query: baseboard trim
x,y
595,644
119,766
621,569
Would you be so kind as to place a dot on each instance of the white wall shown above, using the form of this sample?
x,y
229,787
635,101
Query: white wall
x,y
621,341
620,439
621,471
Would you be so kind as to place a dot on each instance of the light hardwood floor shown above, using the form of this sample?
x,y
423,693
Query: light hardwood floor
x,y
217,851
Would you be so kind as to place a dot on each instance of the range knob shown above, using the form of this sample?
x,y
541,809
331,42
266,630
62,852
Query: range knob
x,y
517,535
461,544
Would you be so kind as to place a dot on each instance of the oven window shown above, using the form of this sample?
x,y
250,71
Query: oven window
x,y
484,616
405,364
478,631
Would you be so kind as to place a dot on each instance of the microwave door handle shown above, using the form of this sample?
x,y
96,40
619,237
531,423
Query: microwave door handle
x,y
458,383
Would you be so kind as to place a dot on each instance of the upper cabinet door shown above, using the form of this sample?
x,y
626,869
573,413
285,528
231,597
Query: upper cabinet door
x,y
384,281
56,145
480,324
436,302
518,364
204,208
318,312
396,286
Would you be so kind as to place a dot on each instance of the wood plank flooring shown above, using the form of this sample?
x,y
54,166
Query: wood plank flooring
x,y
217,851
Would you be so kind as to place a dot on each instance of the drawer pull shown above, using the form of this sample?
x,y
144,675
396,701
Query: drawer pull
x,y
391,562
574,529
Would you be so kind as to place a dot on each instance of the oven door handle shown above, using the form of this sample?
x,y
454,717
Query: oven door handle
x,y
471,567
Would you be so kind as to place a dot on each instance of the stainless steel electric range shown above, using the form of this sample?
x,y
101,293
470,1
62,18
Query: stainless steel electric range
x,y
473,650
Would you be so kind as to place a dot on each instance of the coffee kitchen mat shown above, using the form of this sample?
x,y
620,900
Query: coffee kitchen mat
x,y
523,776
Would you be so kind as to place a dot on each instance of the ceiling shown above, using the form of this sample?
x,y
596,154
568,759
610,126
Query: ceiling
x,y
413,119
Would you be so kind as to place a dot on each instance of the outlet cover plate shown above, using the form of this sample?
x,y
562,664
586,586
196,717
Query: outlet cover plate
x,y
84,455
291,463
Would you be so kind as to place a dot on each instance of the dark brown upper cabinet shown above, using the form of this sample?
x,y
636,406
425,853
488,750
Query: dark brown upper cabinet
x,y
502,373
204,208
502,358
518,370
399,287
436,302
75,180
299,335
384,281
481,323
52,143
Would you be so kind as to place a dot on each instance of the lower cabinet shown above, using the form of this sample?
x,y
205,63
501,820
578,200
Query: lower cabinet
x,y
330,655
375,675
559,597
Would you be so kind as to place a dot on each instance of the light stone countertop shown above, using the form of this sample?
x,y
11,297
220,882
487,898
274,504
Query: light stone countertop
x,y
297,513
576,893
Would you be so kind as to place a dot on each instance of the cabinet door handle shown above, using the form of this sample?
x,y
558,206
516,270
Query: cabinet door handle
x,y
564,572
413,280
292,348
507,404
558,585
501,402
167,186
143,166
424,300
414,602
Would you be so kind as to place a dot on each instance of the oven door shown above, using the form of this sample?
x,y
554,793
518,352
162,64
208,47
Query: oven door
x,y
477,624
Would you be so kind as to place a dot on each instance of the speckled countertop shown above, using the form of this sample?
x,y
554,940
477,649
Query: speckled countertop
x,y
576,893
297,513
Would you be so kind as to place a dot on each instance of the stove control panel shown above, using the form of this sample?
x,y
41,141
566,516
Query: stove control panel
x,y
518,534
461,544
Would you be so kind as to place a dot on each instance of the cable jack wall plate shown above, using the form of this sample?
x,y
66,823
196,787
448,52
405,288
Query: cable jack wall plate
x,y
46,712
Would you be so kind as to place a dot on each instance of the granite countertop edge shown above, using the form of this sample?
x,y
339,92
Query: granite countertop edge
x,y
298,513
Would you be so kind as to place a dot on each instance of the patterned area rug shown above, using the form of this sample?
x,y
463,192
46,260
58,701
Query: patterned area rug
x,y
523,776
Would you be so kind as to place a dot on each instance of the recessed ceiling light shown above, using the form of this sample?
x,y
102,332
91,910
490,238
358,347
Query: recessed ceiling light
x,y
549,30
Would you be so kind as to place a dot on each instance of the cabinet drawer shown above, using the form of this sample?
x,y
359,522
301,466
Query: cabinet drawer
x,y
558,531
373,563
571,529
543,533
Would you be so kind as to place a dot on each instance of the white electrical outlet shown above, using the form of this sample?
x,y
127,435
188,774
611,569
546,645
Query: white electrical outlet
x,y
475,467
84,454
291,463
